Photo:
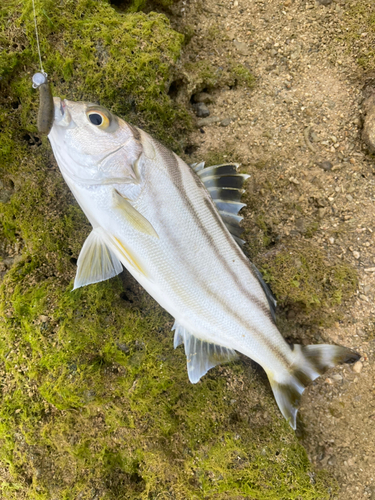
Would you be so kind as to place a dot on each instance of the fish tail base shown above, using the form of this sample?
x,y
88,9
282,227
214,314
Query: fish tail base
x,y
309,363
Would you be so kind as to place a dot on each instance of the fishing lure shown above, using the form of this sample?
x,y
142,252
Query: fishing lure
x,y
40,81
46,106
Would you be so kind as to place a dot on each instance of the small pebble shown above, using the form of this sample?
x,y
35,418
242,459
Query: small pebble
x,y
356,255
201,110
325,2
337,377
225,122
204,122
331,240
357,367
325,165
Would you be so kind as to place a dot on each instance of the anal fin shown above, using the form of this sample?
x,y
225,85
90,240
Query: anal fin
x,y
201,355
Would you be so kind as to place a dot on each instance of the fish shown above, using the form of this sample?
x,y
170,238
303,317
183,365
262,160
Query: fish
x,y
176,229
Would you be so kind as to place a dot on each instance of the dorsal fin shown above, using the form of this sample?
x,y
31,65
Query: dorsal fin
x,y
200,355
225,187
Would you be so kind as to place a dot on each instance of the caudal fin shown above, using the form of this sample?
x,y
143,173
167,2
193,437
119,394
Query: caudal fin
x,y
310,362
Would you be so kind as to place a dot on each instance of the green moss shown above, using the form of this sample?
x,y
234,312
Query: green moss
x,y
360,19
303,278
207,76
80,415
243,76
123,61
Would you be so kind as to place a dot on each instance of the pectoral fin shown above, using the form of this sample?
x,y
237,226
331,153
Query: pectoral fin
x,y
96,262
132,216
200,355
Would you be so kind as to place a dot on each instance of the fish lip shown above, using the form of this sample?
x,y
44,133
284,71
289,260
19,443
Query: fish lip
x,y
63,117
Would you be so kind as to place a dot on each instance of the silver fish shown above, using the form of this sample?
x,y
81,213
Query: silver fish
x,y
176,230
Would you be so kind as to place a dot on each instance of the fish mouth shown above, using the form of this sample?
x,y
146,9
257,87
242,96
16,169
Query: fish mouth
x,y
63,117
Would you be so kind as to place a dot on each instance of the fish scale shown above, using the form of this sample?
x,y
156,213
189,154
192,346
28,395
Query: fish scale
x,y
176,229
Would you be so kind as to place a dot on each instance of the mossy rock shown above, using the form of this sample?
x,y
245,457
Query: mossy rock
x,y
359,33
95,403
309,282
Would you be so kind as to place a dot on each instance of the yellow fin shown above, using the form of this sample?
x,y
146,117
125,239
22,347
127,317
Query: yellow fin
x,y
128,256
132,216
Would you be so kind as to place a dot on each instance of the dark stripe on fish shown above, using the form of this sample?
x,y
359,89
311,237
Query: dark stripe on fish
x,y
176,175
171,162
261,305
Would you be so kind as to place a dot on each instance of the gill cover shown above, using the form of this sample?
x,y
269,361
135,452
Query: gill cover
x,y
92,146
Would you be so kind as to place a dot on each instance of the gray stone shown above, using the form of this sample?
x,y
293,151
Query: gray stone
x,y
225,122
368,134
201,110
325,165
204,122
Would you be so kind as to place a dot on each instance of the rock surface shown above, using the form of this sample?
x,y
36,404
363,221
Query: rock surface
x,y
368,133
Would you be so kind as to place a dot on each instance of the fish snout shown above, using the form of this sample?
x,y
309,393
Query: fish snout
x,y
62,113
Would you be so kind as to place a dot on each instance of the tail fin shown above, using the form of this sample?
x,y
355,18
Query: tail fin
x,y
309,363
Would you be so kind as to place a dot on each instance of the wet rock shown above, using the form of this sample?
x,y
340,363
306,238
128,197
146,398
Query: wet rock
x,y
201,110
204,122
368,133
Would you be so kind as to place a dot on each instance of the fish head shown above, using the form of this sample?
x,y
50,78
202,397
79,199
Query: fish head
x,y
92,145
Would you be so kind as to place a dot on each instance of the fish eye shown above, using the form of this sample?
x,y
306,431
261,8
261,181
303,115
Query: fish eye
x,y
99,119
95,118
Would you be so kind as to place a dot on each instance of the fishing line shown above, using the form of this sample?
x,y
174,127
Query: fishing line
x,y
35,84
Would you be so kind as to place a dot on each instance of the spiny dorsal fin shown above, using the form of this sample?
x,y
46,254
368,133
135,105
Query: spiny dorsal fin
x,y
200,355
96,262
225,187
